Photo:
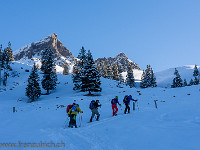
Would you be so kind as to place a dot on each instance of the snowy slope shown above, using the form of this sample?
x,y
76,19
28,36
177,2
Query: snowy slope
x,y
175,125
165,78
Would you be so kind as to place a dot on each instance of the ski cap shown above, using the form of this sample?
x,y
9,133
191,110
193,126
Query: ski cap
x,y
74,102
116,97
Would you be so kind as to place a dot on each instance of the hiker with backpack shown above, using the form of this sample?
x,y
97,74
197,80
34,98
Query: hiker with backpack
x,y
126,101
73,113
68,108
94,108
114,103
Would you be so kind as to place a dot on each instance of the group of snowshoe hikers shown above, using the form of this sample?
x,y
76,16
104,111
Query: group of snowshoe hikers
x,y
74,109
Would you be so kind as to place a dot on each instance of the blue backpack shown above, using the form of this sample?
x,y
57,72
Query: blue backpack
x,y
74,108
92,104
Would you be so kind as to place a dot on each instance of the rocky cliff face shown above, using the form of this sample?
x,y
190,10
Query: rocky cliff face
x,y
34,49
32,52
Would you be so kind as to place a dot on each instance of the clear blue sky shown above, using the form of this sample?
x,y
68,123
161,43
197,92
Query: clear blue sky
x,y
162,33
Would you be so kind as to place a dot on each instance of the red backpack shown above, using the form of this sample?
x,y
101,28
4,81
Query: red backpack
x,y
69,107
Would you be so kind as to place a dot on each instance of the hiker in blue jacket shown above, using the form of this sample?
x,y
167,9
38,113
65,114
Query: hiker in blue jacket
x,y
126,101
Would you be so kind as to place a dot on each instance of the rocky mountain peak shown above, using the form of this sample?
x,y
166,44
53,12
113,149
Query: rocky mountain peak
x,y
34,49
121,58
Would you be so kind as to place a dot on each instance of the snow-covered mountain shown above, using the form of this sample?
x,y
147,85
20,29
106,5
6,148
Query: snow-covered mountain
x,y
165,77
32,52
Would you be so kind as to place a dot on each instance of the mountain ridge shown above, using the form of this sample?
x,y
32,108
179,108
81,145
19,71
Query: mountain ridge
x,y
32,53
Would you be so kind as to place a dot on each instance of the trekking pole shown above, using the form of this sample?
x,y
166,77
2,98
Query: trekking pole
x,y
80,119
66,122
137,105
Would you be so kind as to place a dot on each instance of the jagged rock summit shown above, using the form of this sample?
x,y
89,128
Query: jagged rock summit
x,y
34,49
32,52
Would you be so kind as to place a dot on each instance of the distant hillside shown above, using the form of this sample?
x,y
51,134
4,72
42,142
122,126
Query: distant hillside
x,y
165,78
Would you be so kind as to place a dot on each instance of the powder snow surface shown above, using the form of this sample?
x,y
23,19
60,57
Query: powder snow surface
x,y
175,125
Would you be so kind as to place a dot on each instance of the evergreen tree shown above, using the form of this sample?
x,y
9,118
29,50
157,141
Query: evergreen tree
x,y
1,61
79,64
185,83
76,77
5,60
130,77
5,66
90,76
153,79
196,75
196,71
191,82
33,90
82,56
48,68
148,78
177,81
10,52
196,80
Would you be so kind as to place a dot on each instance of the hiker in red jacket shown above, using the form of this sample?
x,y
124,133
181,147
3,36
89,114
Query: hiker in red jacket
x,y
114,103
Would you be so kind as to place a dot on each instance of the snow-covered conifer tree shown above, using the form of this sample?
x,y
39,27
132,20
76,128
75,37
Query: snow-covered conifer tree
x,y
33,90
48,67
76,76
79,65
196,80
82,56
10,52
185,83
90,76
191,82
196,75
196,71
177,81
1,61
148,78
130,77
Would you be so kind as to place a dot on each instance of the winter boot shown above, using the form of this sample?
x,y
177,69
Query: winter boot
x,y
91,119
97,118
